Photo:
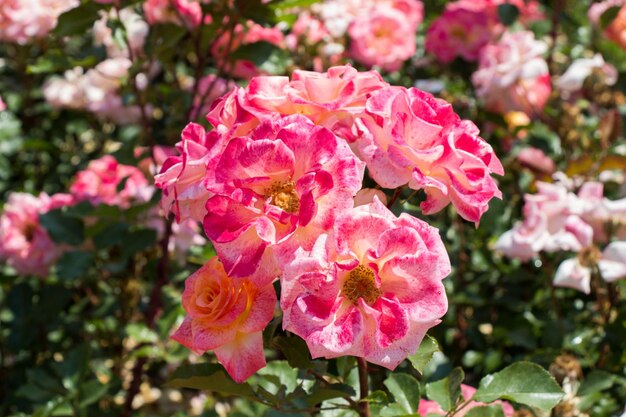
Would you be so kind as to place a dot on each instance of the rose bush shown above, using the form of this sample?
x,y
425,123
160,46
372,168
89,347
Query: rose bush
x,y
355,208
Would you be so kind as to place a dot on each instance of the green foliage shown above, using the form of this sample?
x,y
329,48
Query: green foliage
x,y
447,391
523,382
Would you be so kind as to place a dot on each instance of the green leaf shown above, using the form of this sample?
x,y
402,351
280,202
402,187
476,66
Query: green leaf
x,y
608,16
328,393
522,382
508,13
257,52
424,354
295,350
405,390
596,381
209,377
63,228
288,4
446,391
139,240
486,411
91,391
73,265
78,20
284,375
111,235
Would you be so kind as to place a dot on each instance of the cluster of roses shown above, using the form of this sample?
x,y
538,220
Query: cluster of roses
x,y
26,245
556,219
24,20
277,184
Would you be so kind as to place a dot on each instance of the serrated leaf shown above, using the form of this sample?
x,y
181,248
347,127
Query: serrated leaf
x,y
209,377
424,354
486,411
405,390
522,382
447,391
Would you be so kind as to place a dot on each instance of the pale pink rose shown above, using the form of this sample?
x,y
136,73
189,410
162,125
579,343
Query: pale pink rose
x,y
572,80
24,244
187,12
229,116
554,220
244,35
613,262
512,74
183,177
576,272
431,407
537,160
24,20
277,189
136,32
410,137
226,316
3,106
459,32
95,91
307,29
99,183
370,289
383,38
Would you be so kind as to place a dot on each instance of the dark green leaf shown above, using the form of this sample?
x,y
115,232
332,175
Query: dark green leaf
x,y
596,381
209,377
74,264
63,228
508,13
257,52
78,20
91,391
295,350
523,382
329,392
486,411
608,16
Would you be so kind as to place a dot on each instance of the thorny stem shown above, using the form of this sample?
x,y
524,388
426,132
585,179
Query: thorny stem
x,y
364,407
396,194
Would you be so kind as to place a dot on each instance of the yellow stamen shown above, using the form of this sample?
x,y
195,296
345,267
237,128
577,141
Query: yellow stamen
x,y
361,284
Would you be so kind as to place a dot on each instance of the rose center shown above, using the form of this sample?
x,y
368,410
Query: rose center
x,y
589,256
361,284
29,232
283,195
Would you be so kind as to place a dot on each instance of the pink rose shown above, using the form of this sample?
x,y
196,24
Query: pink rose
x,y
427,407
459,32
99,183
227,316
24,244
136,32
537,160
512,74
382,38
3,106
553,221
183,177
331,99
244,35
410,137
278,188
24,20
370,289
